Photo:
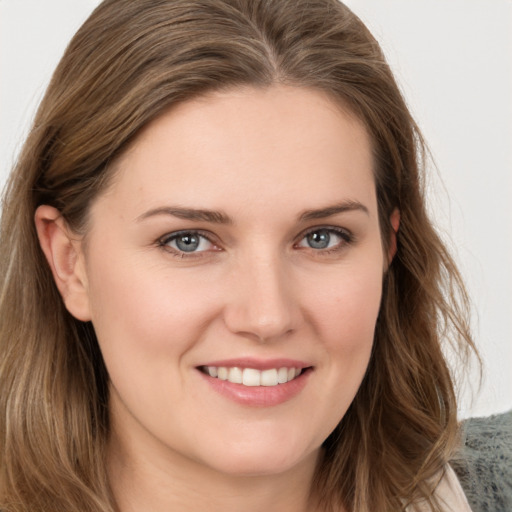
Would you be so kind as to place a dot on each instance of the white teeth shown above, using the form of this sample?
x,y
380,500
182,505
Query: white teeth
x,y
282,375
253,377
235,375
269,377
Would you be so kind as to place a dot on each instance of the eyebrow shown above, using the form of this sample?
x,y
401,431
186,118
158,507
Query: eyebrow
x,y
213,216
329,211
219,217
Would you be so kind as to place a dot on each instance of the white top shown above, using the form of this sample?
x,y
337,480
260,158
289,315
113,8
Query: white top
x,y
450,495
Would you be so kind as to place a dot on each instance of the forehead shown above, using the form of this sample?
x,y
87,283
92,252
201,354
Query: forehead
x,y
277,144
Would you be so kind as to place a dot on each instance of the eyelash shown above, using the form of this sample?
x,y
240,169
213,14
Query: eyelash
x,y
167,239
347,238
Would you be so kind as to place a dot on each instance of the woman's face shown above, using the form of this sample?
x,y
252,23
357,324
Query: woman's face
x,y
239,241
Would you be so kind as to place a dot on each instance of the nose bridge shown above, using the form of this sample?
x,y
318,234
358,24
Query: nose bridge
x,y
262,303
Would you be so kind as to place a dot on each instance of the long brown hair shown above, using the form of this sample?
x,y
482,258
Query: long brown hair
x,y
130,61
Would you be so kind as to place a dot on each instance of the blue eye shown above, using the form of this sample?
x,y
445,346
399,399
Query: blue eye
x,y
325,238
187,242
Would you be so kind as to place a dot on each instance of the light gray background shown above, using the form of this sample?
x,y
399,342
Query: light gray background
x,y
453,61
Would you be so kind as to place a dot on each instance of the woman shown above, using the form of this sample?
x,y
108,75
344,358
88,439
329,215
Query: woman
x,y
173,340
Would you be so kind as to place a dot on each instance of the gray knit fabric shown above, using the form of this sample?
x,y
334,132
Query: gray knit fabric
x,y
484,464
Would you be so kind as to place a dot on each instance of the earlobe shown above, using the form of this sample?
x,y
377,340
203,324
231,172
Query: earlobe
x,y
64,255
394,220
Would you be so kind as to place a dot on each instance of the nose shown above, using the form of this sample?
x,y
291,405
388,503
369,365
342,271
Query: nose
x,y
262,303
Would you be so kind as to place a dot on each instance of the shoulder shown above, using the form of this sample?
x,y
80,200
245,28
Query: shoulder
x,y
449,495
484,463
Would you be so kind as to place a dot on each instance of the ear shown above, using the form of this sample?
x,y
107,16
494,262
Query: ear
x,y
394,220
64,254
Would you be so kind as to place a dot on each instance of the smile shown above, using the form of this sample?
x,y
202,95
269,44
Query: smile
x,y
251,376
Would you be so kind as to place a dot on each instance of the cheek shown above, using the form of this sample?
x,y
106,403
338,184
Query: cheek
x,y
146,321
347,309
344,316
143,306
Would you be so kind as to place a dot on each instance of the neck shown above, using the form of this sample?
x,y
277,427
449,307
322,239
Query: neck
x,y
160,480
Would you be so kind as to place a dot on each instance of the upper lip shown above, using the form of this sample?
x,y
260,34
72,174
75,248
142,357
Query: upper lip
x,y
258,364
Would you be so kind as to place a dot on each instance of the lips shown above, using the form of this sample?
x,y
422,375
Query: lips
x,y
257,383
253,376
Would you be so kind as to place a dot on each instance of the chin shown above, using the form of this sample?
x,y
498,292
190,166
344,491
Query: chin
x,y
243,460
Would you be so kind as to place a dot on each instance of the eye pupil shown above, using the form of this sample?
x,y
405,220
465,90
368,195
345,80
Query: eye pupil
x,y
187,242
319,239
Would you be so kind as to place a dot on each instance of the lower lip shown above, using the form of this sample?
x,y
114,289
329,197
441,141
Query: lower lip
x,y
258,396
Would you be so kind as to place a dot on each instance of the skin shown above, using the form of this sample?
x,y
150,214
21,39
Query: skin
x,y
254,288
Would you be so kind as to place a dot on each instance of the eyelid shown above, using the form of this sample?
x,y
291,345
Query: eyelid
x,y
164,240
336,229
347,236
